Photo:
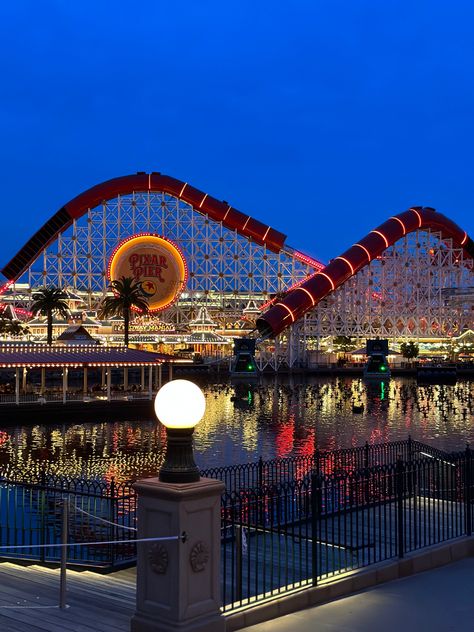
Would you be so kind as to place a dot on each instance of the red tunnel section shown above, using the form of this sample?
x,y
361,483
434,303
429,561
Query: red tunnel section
x,y
141,182
306,296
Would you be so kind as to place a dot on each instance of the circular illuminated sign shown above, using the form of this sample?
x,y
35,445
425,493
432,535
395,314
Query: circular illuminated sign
x,y
155,262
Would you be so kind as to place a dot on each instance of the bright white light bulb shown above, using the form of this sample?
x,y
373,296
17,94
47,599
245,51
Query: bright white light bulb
x,y
180,404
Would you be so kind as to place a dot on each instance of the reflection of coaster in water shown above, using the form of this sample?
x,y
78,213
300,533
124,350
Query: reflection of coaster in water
x,y
148,288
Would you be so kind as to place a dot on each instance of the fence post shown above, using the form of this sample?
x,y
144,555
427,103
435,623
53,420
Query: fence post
x,y
113,529
366,454
467,489
315,513
260,472
238,562
42,493
399,488
64,537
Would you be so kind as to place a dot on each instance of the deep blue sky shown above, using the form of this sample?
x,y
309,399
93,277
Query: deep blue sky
x,y
321,118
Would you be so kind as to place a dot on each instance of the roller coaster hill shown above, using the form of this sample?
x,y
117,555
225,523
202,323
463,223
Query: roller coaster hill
x,y
411,278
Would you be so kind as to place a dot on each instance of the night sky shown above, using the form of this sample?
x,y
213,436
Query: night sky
x,y
321,118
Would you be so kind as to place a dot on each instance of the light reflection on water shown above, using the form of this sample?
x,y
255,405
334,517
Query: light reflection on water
x,y
276,419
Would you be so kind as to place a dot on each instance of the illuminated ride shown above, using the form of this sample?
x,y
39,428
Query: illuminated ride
x,y
406,279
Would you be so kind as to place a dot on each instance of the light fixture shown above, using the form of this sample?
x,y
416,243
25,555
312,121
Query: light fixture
x,y
179,405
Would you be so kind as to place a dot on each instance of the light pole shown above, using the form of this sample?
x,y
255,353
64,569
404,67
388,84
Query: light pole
x,y
178,586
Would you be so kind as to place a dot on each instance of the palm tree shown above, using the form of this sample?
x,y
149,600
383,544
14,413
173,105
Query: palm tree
x,y
17,329
409,350
128,293
49,300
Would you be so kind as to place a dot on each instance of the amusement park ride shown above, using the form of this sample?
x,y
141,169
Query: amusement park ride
x,y
411,277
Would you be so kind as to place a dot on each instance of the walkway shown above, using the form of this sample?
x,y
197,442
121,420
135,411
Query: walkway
x,y
439,600
97,603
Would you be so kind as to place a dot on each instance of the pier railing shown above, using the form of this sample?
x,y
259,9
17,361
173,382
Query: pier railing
x,y
300,532
285,523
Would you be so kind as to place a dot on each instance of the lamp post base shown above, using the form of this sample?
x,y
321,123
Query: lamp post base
x,y
178,582
179,465
140,623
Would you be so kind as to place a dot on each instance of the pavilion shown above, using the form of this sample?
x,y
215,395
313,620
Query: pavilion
x,y
22,358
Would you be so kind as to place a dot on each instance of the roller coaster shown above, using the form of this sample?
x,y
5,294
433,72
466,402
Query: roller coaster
x,y
411,277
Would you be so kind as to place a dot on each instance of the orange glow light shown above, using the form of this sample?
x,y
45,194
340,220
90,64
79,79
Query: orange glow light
x,y
182,190
465,239
203,200
302,289
377,232
348,263
418,215
328,278
246,222
400,222
365,250
288,310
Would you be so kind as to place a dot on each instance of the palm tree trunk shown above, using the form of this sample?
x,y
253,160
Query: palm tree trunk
x,y
126,324
50,327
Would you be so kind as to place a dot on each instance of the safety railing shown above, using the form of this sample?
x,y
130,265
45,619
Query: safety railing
x,y
297,533
285,523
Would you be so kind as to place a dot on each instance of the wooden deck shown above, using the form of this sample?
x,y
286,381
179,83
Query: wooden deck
x,y
29,597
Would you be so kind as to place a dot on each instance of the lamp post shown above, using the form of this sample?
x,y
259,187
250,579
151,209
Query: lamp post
x,y
179,405
178,585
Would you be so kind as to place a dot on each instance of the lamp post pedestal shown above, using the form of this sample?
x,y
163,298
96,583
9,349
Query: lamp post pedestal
x,y
178,588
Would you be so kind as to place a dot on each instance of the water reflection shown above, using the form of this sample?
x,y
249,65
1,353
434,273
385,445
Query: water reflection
x,y
277,418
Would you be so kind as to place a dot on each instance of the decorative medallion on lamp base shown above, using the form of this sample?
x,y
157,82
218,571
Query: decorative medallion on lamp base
x,y
178,583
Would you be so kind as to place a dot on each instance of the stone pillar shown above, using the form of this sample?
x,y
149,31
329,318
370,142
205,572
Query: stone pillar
x,y
25,373
178,583
160,376
142,378
125,378
43,380
170,371
103,376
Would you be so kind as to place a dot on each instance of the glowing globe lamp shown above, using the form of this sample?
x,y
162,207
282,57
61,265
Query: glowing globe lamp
x,y
179,405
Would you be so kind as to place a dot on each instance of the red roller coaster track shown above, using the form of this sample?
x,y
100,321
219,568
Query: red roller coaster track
x,y
141,182
303,298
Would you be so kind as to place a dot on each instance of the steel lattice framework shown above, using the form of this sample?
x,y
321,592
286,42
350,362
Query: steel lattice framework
x,y
226,269
405,293
397,282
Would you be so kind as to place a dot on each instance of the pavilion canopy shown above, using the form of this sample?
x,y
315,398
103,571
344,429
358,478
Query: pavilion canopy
x,y
17,356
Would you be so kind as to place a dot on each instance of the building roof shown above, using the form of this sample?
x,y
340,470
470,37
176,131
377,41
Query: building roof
x,y
206,337
13,356
76,333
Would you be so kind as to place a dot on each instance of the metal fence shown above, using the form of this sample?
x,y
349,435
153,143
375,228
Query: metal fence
x,y
271,472
285,523
31,517
300,532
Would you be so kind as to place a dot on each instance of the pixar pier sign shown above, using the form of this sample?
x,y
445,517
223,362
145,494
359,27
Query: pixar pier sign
x,y
155,262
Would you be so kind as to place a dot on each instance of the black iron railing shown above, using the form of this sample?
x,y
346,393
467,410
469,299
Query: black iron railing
x,y
300,532
31,515
285,523
275,471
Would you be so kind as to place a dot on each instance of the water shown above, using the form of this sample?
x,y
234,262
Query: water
x,y
279,418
